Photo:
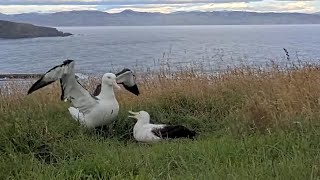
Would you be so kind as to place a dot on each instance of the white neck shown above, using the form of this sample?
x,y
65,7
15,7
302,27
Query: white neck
x,y
106,92
138,125
143,121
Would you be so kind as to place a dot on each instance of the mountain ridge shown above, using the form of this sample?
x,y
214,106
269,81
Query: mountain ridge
x,y
135,18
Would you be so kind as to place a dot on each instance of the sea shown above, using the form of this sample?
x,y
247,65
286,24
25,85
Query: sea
x,y
98,50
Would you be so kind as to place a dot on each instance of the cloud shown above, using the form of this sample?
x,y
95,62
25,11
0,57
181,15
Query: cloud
x,y
113,2
282,6
296,0
163,6
168,8
265,6
16,9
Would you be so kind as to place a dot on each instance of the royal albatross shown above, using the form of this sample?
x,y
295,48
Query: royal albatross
x,y
143,131
91,111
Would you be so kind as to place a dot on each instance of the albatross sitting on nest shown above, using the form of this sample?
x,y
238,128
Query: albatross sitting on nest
x,y
91,111
143,131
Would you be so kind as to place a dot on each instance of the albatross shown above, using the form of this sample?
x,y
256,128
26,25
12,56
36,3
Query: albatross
x,y
144,131
91,111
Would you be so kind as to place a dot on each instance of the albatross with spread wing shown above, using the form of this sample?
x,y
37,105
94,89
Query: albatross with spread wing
x,y
91,111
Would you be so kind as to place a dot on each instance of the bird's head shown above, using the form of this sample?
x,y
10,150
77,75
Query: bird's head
x,y
141,116
109,79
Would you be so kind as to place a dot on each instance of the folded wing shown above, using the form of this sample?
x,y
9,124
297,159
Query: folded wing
x,y
177,131
71,89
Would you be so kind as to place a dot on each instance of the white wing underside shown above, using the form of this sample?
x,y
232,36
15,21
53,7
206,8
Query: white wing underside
x,y
79,97
71,89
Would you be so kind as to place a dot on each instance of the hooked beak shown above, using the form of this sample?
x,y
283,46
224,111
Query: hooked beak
x,y
133,113
116,85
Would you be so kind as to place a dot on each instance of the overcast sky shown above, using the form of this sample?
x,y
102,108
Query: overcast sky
x,y
164,6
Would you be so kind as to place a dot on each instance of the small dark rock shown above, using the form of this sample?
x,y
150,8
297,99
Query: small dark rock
x,y
67,34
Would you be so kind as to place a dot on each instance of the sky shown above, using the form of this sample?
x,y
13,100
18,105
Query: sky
x,y
163,6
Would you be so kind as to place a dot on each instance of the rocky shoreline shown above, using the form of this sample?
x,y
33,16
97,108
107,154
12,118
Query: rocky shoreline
x,y
5,77
28,76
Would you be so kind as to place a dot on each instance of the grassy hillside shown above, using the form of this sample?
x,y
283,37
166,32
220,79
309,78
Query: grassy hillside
x,y
253,124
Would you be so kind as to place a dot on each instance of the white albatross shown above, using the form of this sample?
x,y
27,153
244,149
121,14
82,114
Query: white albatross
x,y
143,131
91,111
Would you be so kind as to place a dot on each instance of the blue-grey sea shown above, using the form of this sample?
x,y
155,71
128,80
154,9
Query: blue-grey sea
x,y
102,49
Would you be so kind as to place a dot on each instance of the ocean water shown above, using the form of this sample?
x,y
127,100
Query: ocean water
x,y
103,49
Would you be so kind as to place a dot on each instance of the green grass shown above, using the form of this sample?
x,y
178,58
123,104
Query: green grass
x,y
251,126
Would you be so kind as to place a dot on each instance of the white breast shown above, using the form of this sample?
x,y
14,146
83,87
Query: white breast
x,y
142,133
103,113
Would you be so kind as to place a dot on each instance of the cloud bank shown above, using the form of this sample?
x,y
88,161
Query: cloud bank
x,y
163,6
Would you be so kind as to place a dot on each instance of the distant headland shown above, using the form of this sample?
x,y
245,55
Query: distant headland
x,y
13,30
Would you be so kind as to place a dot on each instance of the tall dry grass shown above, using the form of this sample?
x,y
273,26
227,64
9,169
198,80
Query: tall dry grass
x,y
241,99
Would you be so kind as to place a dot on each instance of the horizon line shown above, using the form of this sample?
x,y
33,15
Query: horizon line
x,y
129,10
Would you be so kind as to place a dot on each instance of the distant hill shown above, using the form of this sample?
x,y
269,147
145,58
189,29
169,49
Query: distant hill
x,y
133,18
12,30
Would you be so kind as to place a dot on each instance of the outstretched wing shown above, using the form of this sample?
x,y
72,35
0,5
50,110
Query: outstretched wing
x,y
177,131
51,76
71,89
127,79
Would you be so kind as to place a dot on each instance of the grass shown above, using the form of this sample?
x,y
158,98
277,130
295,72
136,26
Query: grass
x,y
253,124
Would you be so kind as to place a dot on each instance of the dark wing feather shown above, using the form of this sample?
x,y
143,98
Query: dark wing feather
x,y
97,90
133,89
177,131
123,71
128,80
39,84
62,91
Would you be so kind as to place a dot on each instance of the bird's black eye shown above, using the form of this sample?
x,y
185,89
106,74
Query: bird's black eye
x,y
109,77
